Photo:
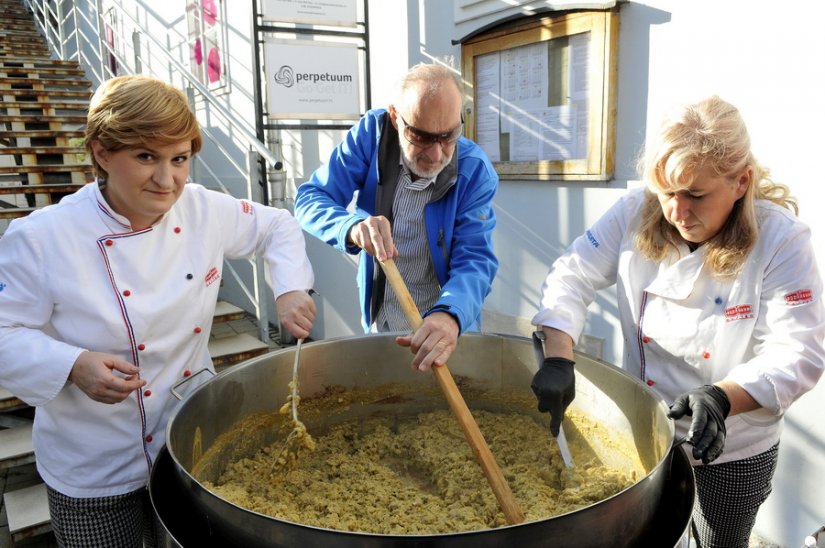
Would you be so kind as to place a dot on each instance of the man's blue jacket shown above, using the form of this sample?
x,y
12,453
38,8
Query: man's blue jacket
x,y
459,218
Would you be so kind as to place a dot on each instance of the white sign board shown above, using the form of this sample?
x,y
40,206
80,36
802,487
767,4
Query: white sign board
x,y
312,80
341,13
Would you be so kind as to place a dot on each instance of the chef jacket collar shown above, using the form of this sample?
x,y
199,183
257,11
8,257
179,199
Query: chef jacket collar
x,y
676,281
115,221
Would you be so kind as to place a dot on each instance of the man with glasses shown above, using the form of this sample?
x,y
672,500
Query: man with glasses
x,y
424,199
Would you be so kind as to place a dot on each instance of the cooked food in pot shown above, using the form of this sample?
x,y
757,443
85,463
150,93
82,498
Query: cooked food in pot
x,y
415,474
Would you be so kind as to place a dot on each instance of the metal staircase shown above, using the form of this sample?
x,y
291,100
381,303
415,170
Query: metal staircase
x,y
42,114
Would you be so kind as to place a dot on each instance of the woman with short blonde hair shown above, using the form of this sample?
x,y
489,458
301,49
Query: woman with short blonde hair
x,y
108,301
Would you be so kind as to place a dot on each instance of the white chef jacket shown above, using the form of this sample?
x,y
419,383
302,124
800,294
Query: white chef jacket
x,y
684,328
74,277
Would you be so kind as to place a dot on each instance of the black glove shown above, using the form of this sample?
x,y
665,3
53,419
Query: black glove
x,y
709,406
555,386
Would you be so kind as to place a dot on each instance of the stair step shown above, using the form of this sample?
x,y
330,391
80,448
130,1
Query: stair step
x,y
27,510
8,71
42,150
43,105
39,133
43,188
20,33
42,119
39,62
16,447
10,48
44,82
47,93
13,18
16,212
16,15
16,12
8,401
226,312
61,168
236,348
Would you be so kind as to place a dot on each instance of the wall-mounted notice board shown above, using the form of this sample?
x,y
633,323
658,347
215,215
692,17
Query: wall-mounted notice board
x,y
543,95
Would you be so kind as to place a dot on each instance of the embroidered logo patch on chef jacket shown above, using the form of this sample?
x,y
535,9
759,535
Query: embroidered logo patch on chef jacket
x,y
592,239
739,312
246,207
211,276
800,296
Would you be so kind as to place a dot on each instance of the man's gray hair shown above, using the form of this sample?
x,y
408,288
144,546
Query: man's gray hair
x,y
432,75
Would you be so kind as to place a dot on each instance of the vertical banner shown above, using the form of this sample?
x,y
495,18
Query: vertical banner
x,y
339,13
312,80
207,43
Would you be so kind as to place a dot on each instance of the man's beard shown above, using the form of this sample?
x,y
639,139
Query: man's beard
x,y
428,173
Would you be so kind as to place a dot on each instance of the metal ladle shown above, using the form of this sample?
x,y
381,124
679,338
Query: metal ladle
x,y
298,438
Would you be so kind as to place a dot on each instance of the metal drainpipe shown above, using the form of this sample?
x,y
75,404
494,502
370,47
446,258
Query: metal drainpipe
x,y
61,36
277,185
195,169
77,36
277,198
255,190
101,33
139,64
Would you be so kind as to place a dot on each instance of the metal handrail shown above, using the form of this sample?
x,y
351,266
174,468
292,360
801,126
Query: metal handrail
x,y
65,32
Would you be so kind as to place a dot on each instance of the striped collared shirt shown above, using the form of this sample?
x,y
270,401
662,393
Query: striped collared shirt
x,y
414,261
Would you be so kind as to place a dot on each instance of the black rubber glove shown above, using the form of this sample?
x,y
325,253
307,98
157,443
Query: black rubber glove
x,y
554,384
709,406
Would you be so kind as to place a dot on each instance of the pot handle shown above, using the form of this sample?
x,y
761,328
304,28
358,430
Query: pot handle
x,y
187,379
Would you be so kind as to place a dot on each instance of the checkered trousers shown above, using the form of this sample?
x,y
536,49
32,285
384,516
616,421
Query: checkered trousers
x,y
120,521
728,496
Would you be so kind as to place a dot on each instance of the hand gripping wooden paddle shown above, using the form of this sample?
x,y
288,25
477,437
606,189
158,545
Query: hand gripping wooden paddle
x,y
457,404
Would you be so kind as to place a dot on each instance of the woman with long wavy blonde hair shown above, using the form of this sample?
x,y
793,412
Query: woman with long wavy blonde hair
x,y
710,134
720,304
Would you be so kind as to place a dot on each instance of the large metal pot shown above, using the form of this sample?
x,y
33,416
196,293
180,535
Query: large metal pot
x,y
206,421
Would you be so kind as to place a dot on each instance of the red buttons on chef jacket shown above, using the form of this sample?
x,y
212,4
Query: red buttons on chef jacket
x,y
645,340
141,346
149,438
126,293
147,392
109,242
187,373
198,330
650,382
706,355
177,230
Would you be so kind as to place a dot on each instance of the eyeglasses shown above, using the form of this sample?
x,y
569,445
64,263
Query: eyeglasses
x,y
425,139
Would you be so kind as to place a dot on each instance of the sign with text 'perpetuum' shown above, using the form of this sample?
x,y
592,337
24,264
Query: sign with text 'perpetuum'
x,y
312,80
341,13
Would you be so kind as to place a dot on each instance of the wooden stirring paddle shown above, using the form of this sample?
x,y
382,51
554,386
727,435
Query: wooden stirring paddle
x,y
485,458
